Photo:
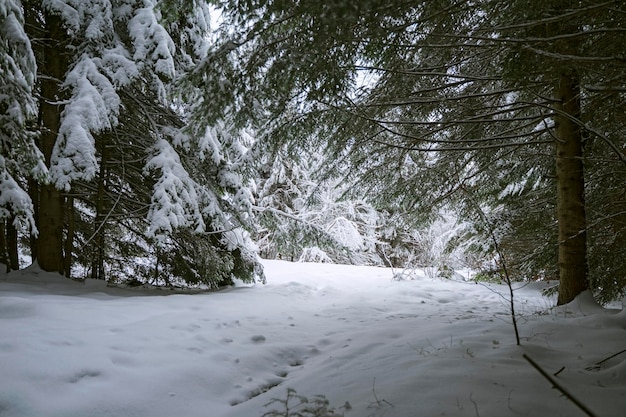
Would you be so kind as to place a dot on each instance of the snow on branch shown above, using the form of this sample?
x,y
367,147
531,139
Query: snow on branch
x,y
19,155
92,19
209,146
17,66
118,66
93,108
174,200
152,43
14,201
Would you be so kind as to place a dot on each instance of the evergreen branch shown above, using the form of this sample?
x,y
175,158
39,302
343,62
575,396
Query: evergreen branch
x,y
566,57
554,19
588,128
104,221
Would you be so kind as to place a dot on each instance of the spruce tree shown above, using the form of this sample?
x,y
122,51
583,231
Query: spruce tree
x,y
438,102
122,188
19,156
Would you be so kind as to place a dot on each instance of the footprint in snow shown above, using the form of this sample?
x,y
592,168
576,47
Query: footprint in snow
x,y
84,374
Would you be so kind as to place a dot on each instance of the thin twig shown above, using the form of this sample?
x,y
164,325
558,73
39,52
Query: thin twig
x,y
378,402
475,406
502,262
559,387
374,390
611,357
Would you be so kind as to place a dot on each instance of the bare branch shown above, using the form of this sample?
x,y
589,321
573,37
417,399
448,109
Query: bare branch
x,y
558,386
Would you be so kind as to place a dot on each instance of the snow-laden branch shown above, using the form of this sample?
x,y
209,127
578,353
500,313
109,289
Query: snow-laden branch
x,y
175,201
14,201
19,155
93,108
153,45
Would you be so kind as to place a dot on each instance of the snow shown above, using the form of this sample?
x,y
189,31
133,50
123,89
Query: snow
x,y
346,233
94,107
69,10
116,62
20,156
14,200
174,198
103,64
210,144
151,41
371,345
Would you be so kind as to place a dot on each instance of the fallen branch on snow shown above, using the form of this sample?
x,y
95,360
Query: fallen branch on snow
x,y
558,386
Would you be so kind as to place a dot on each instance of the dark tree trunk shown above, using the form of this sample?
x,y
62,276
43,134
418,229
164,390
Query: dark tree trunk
x,y
50,241
69,238
4,253
97,266
33,192
8,245
572,254
49,252
11,239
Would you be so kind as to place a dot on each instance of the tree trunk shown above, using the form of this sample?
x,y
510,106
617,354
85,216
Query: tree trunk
x,y
4,253
572,254
69,238
11,242
50,214
33,192
97,266
8,244
50,240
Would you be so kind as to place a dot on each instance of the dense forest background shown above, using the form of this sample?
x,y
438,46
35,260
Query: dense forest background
x,y
172,142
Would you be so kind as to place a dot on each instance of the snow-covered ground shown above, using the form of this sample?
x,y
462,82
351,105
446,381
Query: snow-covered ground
x,y
370,345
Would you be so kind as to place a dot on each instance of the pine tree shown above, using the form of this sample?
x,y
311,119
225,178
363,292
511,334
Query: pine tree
x,y
303,214
122,191
437,101
19,156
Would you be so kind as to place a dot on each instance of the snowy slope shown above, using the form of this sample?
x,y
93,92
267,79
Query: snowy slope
x,y
372,346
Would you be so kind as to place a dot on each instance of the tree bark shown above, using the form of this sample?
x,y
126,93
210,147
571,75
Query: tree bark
x,y
572,253
8,244
97,266
50,219
11,239
4,253
69,238
33,192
